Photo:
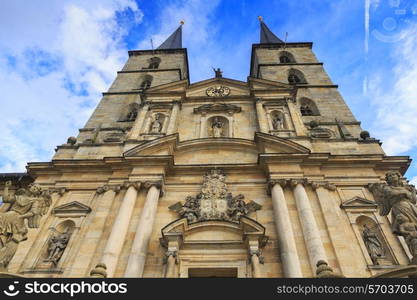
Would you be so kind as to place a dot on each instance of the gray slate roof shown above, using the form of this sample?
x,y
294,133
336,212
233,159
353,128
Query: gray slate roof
x,y
267,36
174,41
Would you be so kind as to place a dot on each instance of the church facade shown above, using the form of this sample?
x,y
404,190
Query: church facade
x,y
272,177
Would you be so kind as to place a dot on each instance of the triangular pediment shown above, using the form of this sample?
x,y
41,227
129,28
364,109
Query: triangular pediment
x,y
232,88
72,208
358,202
258,83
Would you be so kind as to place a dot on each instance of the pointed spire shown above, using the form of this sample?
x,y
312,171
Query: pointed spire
x,y
267,36
174,41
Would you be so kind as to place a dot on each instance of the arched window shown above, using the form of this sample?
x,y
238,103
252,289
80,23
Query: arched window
x,y
308,107
146,82
296,77
286,57
154,62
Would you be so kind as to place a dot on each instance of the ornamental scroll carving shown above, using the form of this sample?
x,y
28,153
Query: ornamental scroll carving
x,y
26,204
214,202
400,199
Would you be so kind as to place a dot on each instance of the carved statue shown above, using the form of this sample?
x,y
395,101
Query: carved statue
x,y
57,245
214,202
277,123
156,125
26,204
217,128
218,72
373,244
409,231
398,198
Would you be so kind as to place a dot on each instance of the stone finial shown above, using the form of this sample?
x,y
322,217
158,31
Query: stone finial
x,y
365,135
324,271
100,271
72,140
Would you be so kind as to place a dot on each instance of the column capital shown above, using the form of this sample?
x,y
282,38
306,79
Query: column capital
x,y
177,102
258,253
282,182
173,253
135,184
326,185
108,187
293,182
145,103
157,184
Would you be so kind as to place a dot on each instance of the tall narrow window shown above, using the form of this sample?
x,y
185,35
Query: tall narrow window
x,y
146,82
296,77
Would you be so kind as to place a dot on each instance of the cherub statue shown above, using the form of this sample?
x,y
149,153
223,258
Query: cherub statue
x,y
409,231
57,245
27,203
398,198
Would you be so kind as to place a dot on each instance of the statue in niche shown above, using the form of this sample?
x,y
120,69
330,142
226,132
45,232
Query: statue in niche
x,y
217,128
26,204
156,125
277,122
214,202
57,245
373,244
399,198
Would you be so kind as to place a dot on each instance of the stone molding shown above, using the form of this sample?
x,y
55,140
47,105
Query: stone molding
x,y
292,182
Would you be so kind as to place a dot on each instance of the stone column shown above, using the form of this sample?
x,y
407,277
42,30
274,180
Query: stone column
x,y
256,259
288,250
309,226
137,126
173,119
137,257
119,230
171,261
263,126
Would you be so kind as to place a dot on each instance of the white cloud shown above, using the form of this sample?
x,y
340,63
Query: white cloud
x,y
396,105
55,59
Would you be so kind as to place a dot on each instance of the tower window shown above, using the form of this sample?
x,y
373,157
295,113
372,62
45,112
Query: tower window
x,y
286,57
295,77
146,82
154,62
308,107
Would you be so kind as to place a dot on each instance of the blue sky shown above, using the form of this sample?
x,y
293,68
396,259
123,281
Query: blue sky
x,y
57,56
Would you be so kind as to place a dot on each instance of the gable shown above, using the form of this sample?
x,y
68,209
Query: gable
x,y
73,208
230,88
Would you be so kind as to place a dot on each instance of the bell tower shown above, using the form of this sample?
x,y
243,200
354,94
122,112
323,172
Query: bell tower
x,y
318,100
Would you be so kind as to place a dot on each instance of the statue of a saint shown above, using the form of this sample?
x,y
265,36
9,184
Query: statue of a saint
x,y
26,204
217,128
57,245
373,244
398,198
277,123
156,125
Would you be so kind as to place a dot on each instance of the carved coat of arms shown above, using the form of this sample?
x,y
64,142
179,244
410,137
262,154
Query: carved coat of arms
x,y
214,202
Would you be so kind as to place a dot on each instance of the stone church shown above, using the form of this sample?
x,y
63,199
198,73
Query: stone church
x,y
269,177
